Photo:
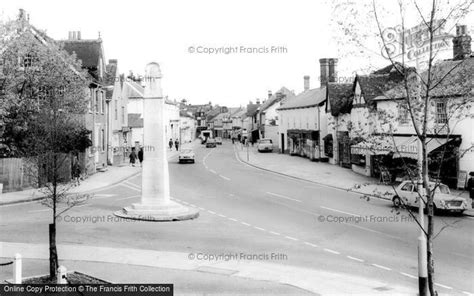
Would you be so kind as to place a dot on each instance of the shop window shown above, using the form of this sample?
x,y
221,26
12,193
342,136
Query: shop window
x,y
358,159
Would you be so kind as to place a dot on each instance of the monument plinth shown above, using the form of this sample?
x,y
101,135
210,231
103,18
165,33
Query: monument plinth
x,y
155,204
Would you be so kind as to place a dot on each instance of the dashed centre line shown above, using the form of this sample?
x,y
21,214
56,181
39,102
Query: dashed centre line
x,y
381,266
310,244
408,275
282,196
443,286
291,238
212,171
259,228
224,177
355,259
332,251
275,233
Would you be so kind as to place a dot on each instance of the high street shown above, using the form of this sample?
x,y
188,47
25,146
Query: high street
x,y
252,212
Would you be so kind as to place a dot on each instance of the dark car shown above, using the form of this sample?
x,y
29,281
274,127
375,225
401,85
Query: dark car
x,y
211,143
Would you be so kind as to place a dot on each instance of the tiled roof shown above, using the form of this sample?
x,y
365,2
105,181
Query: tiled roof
x,y
373,86
252,109
135,120
449,78
309,98
340,97
88,51
275,98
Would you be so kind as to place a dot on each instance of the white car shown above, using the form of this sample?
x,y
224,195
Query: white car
x,y
186,155
265,145
407,194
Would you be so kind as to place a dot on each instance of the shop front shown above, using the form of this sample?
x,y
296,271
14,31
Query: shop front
x,y
304,143
395,158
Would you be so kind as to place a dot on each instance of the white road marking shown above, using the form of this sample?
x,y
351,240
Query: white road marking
x,y
275,233
212,171
443,286
355,259
408,275
224,177
97,196
202,209
222,216
81,206
467,293
132,184
282,196
332,251
342,212
292,238
246,224
133,196
381,266
259,228
310,244
130,187
232,219
212,212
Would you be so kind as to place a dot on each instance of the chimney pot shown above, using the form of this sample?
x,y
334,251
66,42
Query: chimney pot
x,y
78,35
306,82
69,35
269,94
328,70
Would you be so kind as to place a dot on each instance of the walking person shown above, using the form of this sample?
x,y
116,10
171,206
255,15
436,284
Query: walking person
x,y
176,144
171,144
76,171
133,157
140,155
470,186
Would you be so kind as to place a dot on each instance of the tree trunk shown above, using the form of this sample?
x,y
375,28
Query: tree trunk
x,y
53,252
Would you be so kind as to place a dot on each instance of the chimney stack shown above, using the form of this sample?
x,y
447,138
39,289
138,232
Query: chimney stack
x,y
269,94
328,70
78,35
306,82
74,35
258,101
461,43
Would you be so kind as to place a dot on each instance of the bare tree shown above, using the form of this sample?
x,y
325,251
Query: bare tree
x,y
43,99
418,90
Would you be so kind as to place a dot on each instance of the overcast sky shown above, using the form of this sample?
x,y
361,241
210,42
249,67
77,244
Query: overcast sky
x,y
138,32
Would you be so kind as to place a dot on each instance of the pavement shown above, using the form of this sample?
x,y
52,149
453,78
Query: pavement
x,y
325,174
330,239
283,280
100,180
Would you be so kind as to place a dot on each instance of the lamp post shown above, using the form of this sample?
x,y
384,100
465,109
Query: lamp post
x,y
422,256
155,204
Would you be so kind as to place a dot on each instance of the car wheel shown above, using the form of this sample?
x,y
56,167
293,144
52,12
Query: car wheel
x,y
397,202
179,161
192,161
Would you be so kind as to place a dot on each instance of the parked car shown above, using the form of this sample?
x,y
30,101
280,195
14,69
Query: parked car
x,y
186,155
211,143
203,140
218,140
407,194
264,145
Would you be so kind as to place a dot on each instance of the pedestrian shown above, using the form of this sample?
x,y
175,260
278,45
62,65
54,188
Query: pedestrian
x,y
140,155
470,185
176,144
133,157
233,140
171,144
76,171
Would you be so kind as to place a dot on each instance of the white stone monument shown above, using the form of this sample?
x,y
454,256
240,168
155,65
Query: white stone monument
x,y
155,204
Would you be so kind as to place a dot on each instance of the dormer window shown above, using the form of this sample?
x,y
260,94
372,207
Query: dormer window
x,y
441,116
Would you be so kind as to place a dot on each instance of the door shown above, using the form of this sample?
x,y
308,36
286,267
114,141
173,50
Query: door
x,y
282,143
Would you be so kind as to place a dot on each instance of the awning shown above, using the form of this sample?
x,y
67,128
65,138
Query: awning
x,y
400,146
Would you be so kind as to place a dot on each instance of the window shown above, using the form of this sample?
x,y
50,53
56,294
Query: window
x,y
116,110
28,60
403,113
441,115
96,101
407,187
123,114
102,102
